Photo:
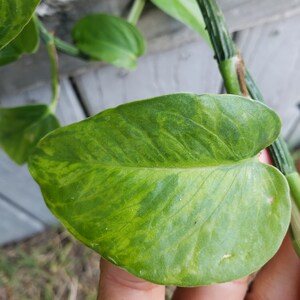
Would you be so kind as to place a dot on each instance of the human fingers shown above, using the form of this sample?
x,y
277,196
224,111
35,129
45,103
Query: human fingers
x,y
280,277
265,157
234,290
117,284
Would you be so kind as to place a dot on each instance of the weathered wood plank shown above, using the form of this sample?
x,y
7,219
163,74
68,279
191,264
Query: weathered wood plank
x,y
242,14
15,224
272,53
16,183
161,31
294,134
18,187
187,68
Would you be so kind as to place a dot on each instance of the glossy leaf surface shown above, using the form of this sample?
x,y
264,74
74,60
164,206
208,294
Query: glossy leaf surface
x,y
170,188
22,127
110,39
185,11
14,15
26,42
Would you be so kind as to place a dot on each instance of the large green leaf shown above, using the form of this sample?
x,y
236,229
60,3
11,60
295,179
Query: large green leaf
x,y
185,11
170,188
26,42
110,39
22,127
14,15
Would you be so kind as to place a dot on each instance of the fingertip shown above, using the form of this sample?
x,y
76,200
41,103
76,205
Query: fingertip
x,y
234,290
265,157
116,284
279,278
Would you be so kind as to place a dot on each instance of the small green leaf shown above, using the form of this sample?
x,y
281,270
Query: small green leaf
x,y
170,188
110,39
185,11
22,127
14,15
26,42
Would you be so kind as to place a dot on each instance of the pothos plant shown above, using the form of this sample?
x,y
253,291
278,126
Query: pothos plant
x,y
169,188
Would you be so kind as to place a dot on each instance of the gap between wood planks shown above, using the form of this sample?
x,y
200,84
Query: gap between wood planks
x,y
79,96
13,204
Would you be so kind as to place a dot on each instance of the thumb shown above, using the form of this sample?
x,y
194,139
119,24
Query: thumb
x,y
118,284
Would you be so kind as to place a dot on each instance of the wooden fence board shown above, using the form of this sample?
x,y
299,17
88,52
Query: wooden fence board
x,y
15,224
242,14
272,54
189,68
161,31
294,134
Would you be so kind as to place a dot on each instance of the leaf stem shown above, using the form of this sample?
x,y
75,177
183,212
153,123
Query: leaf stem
x,y
232,73
48,39
54,78
237,80
68,49
61,45
136,11
220,37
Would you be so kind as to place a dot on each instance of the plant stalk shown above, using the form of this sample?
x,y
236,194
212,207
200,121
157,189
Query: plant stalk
x,y
232,71
48,39
61,45
67,48
136,11
237,80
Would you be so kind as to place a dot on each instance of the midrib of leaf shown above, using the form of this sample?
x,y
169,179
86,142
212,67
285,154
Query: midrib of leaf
x,y
224,164
94,243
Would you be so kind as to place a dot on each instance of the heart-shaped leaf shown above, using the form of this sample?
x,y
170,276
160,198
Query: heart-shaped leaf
x,y
110,39
22,127
185,11
170,188
14,15
26,42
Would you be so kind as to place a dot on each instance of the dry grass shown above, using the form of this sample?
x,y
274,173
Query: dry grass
x,y
49,266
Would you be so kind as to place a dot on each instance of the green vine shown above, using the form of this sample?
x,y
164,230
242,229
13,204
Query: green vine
x,y
49,41
136,11
59,44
